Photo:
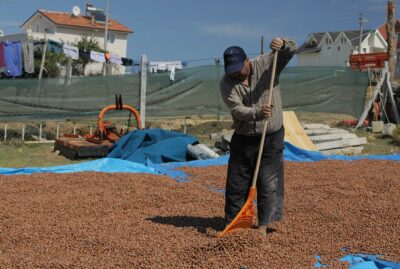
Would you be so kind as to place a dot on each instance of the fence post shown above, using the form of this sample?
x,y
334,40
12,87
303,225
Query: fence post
x,y
143,85
23,132
58,131
40,132
5,132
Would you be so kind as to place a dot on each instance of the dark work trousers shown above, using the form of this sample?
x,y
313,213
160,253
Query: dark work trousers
x,y
270,181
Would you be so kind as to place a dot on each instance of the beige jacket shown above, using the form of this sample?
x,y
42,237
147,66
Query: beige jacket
x,y
245,102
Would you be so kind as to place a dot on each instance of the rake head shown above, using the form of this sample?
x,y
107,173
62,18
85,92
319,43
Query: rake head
x,y
244,219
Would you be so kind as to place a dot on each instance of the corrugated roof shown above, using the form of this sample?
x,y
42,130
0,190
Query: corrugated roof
x,y
66,19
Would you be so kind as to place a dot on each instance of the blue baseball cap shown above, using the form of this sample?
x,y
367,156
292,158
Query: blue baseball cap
x,y
234,58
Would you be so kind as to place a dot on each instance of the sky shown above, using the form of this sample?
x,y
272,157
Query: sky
x,y
198,31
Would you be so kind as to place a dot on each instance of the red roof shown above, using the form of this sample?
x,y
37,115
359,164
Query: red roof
x,y
383,29
63,18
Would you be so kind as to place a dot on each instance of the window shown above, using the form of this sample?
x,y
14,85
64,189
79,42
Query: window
x,y
111,38
338,48
37,28
365,50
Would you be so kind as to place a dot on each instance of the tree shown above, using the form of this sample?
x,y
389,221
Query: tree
x,y
88,44
51,65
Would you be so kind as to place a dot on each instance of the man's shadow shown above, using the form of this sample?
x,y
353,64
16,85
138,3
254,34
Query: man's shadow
x,y
200,223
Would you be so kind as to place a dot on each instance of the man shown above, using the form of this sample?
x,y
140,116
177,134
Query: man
x,y
245,90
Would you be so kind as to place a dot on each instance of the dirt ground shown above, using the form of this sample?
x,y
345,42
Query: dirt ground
x,y
98,220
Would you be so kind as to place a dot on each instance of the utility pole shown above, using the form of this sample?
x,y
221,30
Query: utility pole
x,y
362,21
392,38
217,64
43,55
106,39
262,44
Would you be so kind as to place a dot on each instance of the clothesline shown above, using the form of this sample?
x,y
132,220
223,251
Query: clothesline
x,y
16,55
75,53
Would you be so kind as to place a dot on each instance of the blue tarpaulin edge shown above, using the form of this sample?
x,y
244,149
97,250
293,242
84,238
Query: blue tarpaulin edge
x,y
112,165
106,165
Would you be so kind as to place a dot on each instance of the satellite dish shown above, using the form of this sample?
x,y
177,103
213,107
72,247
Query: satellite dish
x,y
76,11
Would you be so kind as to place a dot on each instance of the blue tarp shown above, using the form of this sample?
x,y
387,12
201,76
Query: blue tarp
x,y
295,154
106,165
366,261
291,153
152,146
111,165
363,261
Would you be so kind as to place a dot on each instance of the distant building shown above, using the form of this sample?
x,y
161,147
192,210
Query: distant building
x,y
69,28
334,48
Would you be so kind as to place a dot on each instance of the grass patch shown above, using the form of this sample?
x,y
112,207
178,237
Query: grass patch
x,y
28,155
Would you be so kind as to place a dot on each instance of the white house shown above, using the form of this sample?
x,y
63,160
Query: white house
x,y
334,48
69,28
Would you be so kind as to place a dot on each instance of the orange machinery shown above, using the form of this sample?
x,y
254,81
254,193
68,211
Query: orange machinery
x,y
98,144
368,60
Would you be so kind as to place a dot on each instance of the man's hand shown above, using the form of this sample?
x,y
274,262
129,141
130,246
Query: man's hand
x,y
276,44
267,110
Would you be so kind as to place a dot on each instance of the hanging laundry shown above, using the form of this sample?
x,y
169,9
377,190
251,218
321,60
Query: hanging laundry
x,y
85,55
71,51
115,59
54,46
164,66
97,56
126,61
29,65
38,45
13,58
2,62
172,75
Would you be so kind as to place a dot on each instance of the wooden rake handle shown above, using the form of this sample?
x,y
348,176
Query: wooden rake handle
x,y
271,89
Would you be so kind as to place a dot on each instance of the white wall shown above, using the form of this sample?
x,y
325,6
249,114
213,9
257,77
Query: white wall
x,y
39,23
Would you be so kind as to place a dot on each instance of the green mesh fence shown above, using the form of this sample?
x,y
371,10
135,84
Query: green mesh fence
x,y
195,91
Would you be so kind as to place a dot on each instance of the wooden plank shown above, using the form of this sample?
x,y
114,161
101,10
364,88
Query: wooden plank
x,y
294,132
373,97
349,150
342,143
315,126
326,131
332,137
